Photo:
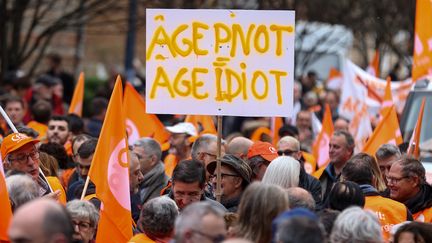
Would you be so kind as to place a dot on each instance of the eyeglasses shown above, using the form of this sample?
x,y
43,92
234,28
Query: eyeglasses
x,y
215,239
22,158
82,225
287,152
395,179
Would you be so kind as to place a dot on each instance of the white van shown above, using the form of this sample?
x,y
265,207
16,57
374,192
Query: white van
x,y
319,47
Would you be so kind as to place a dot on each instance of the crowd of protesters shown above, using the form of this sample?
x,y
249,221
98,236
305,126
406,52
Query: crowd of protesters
x,y
268,193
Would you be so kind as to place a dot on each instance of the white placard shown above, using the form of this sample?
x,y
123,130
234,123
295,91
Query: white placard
x,y
220,62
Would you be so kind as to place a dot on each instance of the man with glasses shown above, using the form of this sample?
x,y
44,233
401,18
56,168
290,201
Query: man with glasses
x,y
407,183
188,182
19,153
235,177
358,169
289,146
200,222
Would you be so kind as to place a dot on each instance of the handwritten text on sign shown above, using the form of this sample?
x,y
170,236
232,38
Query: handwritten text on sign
x,y
220,62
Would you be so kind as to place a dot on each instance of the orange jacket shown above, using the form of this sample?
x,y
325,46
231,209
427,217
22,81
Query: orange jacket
x,y
141,238
388,211
170,162
424,216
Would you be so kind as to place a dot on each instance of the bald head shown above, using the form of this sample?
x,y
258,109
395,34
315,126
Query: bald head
x,y
41,220
300,198
239,146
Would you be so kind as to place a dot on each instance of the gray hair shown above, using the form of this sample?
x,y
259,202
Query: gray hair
x,y
350,143
283,171
300,198
355,225
201,142
83,210
289,140
158,216
191,218
22,189
150,146
385,151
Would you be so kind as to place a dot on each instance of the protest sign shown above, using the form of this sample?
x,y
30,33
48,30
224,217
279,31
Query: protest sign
x,y
219,62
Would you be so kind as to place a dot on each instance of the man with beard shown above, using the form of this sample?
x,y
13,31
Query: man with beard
x,y
135,178
59,132
235,177
182,136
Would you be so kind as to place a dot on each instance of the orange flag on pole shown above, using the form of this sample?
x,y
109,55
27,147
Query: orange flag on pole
x,y
109,171
334,80
373,67
422,57
387,131
5,207
414,144
76,105
320,148
277,123
387,102
206,123
138,123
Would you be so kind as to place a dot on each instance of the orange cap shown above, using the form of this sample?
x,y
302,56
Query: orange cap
x,y
263,149
15,141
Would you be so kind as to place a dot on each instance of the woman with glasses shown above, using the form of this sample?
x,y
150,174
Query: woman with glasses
x,y
85,218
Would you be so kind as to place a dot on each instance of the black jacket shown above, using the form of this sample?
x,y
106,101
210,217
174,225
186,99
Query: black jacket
x,y
312,185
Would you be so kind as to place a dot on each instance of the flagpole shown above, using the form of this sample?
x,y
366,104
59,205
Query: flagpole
x,y
12,126
9,122
218,159
85,188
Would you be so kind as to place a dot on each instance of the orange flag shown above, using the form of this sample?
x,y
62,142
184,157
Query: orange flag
x,y
373,67
78,97
206,123
414,144
138,123
109,171
387,102
321,146
422,57
387,131
5,207
334,80
277,123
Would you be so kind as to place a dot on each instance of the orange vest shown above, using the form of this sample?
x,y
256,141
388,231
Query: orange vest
x,y
388,211
141,238
55,185
170,162
424,216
